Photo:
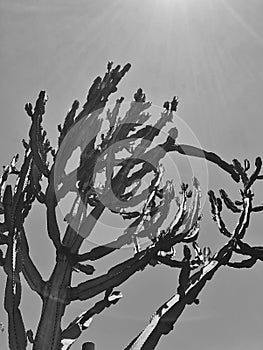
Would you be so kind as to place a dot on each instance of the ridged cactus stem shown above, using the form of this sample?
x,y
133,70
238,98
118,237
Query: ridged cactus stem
x,y
87,226
54,303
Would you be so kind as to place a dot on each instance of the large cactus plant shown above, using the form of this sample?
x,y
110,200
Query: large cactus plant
x,y
42,177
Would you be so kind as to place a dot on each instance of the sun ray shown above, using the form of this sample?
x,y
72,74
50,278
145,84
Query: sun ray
x,y
243,23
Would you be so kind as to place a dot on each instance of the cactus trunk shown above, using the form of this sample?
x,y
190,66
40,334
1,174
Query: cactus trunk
x,y
55,299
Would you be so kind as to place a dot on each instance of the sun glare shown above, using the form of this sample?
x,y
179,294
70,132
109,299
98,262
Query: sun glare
x,y
166,3
168,7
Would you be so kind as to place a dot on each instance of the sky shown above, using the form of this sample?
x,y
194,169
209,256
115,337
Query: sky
x,y
207,52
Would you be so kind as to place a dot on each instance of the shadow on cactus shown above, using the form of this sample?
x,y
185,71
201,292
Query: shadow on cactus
x,y
126,156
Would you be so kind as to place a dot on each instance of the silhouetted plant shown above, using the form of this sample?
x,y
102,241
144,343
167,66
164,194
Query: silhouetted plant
x,y
120,195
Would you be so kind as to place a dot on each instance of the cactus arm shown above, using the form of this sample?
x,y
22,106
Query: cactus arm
x,y
8,210
241,171
67,185
200,153
216,208
16,329
255,174
247,263
169,262
25,190
51,218
87,226
184,274
257,208
246,249
69,237
16,208
12,261
152,226
228,202
10,169
22,179
52,225
29,270
69,121
100,251
255,253
35,131
35,177
113,278
82,322
148,133
74,219
244,219
195,211
101,89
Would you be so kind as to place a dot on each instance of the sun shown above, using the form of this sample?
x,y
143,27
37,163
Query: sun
x,y
169,2
165,2
169,6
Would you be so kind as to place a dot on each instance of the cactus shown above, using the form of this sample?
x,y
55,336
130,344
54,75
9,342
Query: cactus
x,y
120,195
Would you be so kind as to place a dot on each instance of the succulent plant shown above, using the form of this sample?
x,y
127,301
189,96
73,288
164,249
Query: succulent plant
x,y
147,212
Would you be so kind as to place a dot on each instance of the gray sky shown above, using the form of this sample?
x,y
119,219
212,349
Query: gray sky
x,y
210,54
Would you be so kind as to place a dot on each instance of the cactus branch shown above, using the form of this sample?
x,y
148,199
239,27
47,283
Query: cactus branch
x,y
200,153
216,208
29,270
228,202
51,218
254,176
101,89
248,263
82,322
35,132
12,267
246,249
